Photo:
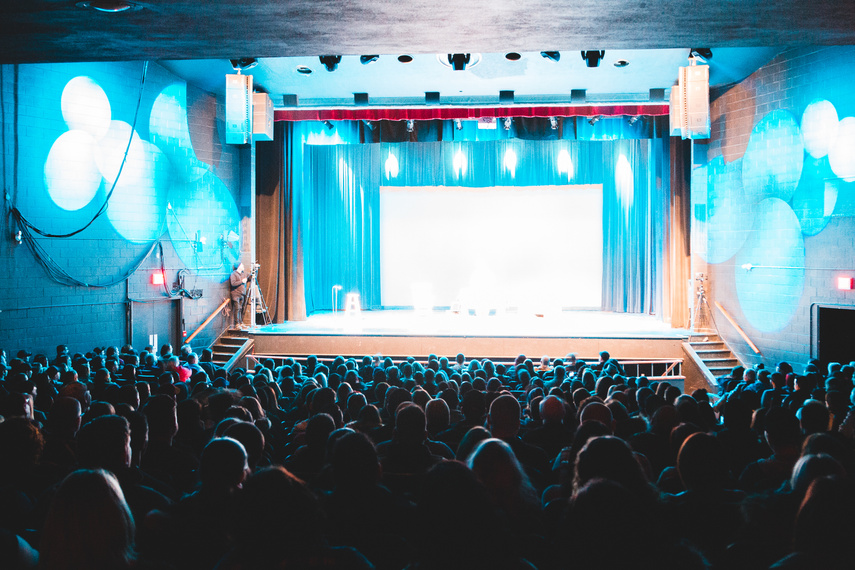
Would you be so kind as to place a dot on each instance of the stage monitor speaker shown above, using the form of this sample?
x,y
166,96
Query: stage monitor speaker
x,y
262,117
238,108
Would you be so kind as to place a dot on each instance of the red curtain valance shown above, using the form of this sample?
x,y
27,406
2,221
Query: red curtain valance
x,y
466,113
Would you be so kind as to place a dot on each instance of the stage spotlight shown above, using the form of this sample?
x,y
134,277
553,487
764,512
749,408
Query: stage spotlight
x,y
507,123
243,63
592,57
411,126
633,120
553,123
701,54
553,55
458,61
329,125
366,59
458,124
330,61
594,120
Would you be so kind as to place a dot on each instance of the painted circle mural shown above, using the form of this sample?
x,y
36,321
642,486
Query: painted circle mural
x,y
70,173
770,292
772,164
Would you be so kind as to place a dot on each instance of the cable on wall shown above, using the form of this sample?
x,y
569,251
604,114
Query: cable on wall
x,y
23,222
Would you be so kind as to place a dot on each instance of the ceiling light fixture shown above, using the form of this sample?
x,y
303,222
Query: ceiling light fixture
x,y
458,61
592,57
512,56
304,70
243,63
703,55
404,58
551,55
621,63
109,6
330,61
366,59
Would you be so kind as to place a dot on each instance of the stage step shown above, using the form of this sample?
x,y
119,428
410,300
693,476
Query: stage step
x,y
715,354
230,347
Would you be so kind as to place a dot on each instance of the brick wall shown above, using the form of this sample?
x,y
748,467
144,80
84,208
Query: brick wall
x,y
65,130
769,191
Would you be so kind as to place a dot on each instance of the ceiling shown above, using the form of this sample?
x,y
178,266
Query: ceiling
x,y
196,40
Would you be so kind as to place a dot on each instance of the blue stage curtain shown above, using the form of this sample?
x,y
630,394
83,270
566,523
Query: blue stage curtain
x,y
341,245
335,207
635,225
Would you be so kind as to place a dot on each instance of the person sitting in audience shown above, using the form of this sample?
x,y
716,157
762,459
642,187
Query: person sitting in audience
x,y
89,525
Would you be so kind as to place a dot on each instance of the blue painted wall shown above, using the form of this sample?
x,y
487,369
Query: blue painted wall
x,y
773,200
65,131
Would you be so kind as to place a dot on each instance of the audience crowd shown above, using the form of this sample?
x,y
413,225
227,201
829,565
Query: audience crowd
x,y
122,459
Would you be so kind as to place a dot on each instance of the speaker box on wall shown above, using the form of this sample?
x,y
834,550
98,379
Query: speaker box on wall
x,y
262,117
238,108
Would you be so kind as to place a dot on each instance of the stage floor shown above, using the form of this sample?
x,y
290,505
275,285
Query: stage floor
x,y
566,324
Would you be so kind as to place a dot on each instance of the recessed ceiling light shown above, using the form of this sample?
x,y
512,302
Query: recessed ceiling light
x,y
109,6
621,63
404,58
304,70
512,56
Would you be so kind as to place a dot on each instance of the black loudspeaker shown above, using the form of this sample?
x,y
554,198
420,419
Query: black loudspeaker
x,y
506,97
360,98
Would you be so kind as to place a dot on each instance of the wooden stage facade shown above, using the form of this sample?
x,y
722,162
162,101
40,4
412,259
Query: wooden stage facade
x,y
642,339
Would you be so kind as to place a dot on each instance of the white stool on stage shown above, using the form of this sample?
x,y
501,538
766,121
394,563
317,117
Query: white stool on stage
x,y
351,305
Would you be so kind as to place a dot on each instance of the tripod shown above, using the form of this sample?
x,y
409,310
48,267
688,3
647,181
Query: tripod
x,y
256,299
702,319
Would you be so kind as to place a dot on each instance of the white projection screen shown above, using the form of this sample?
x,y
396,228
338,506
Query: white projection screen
x,y
525,249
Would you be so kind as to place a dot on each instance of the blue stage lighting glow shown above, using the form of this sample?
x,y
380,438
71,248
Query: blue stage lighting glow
x,y
819,127
510,162
816,195
203,205
391,166
624,182
138,204
770,293
565,164
324,138
727,216
85,106
841,155
70,173
111,150
772,163
460,163
168,130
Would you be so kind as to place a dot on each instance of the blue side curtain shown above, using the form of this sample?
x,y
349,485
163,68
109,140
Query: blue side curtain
x,y
341,244
335,209
635,225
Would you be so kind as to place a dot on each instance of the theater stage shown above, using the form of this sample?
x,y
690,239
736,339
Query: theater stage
x,y
408,333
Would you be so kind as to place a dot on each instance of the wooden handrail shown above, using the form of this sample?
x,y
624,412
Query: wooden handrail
x,y
738,328
208,320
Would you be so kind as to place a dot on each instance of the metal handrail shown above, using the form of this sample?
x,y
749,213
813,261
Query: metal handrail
x,y
207,321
